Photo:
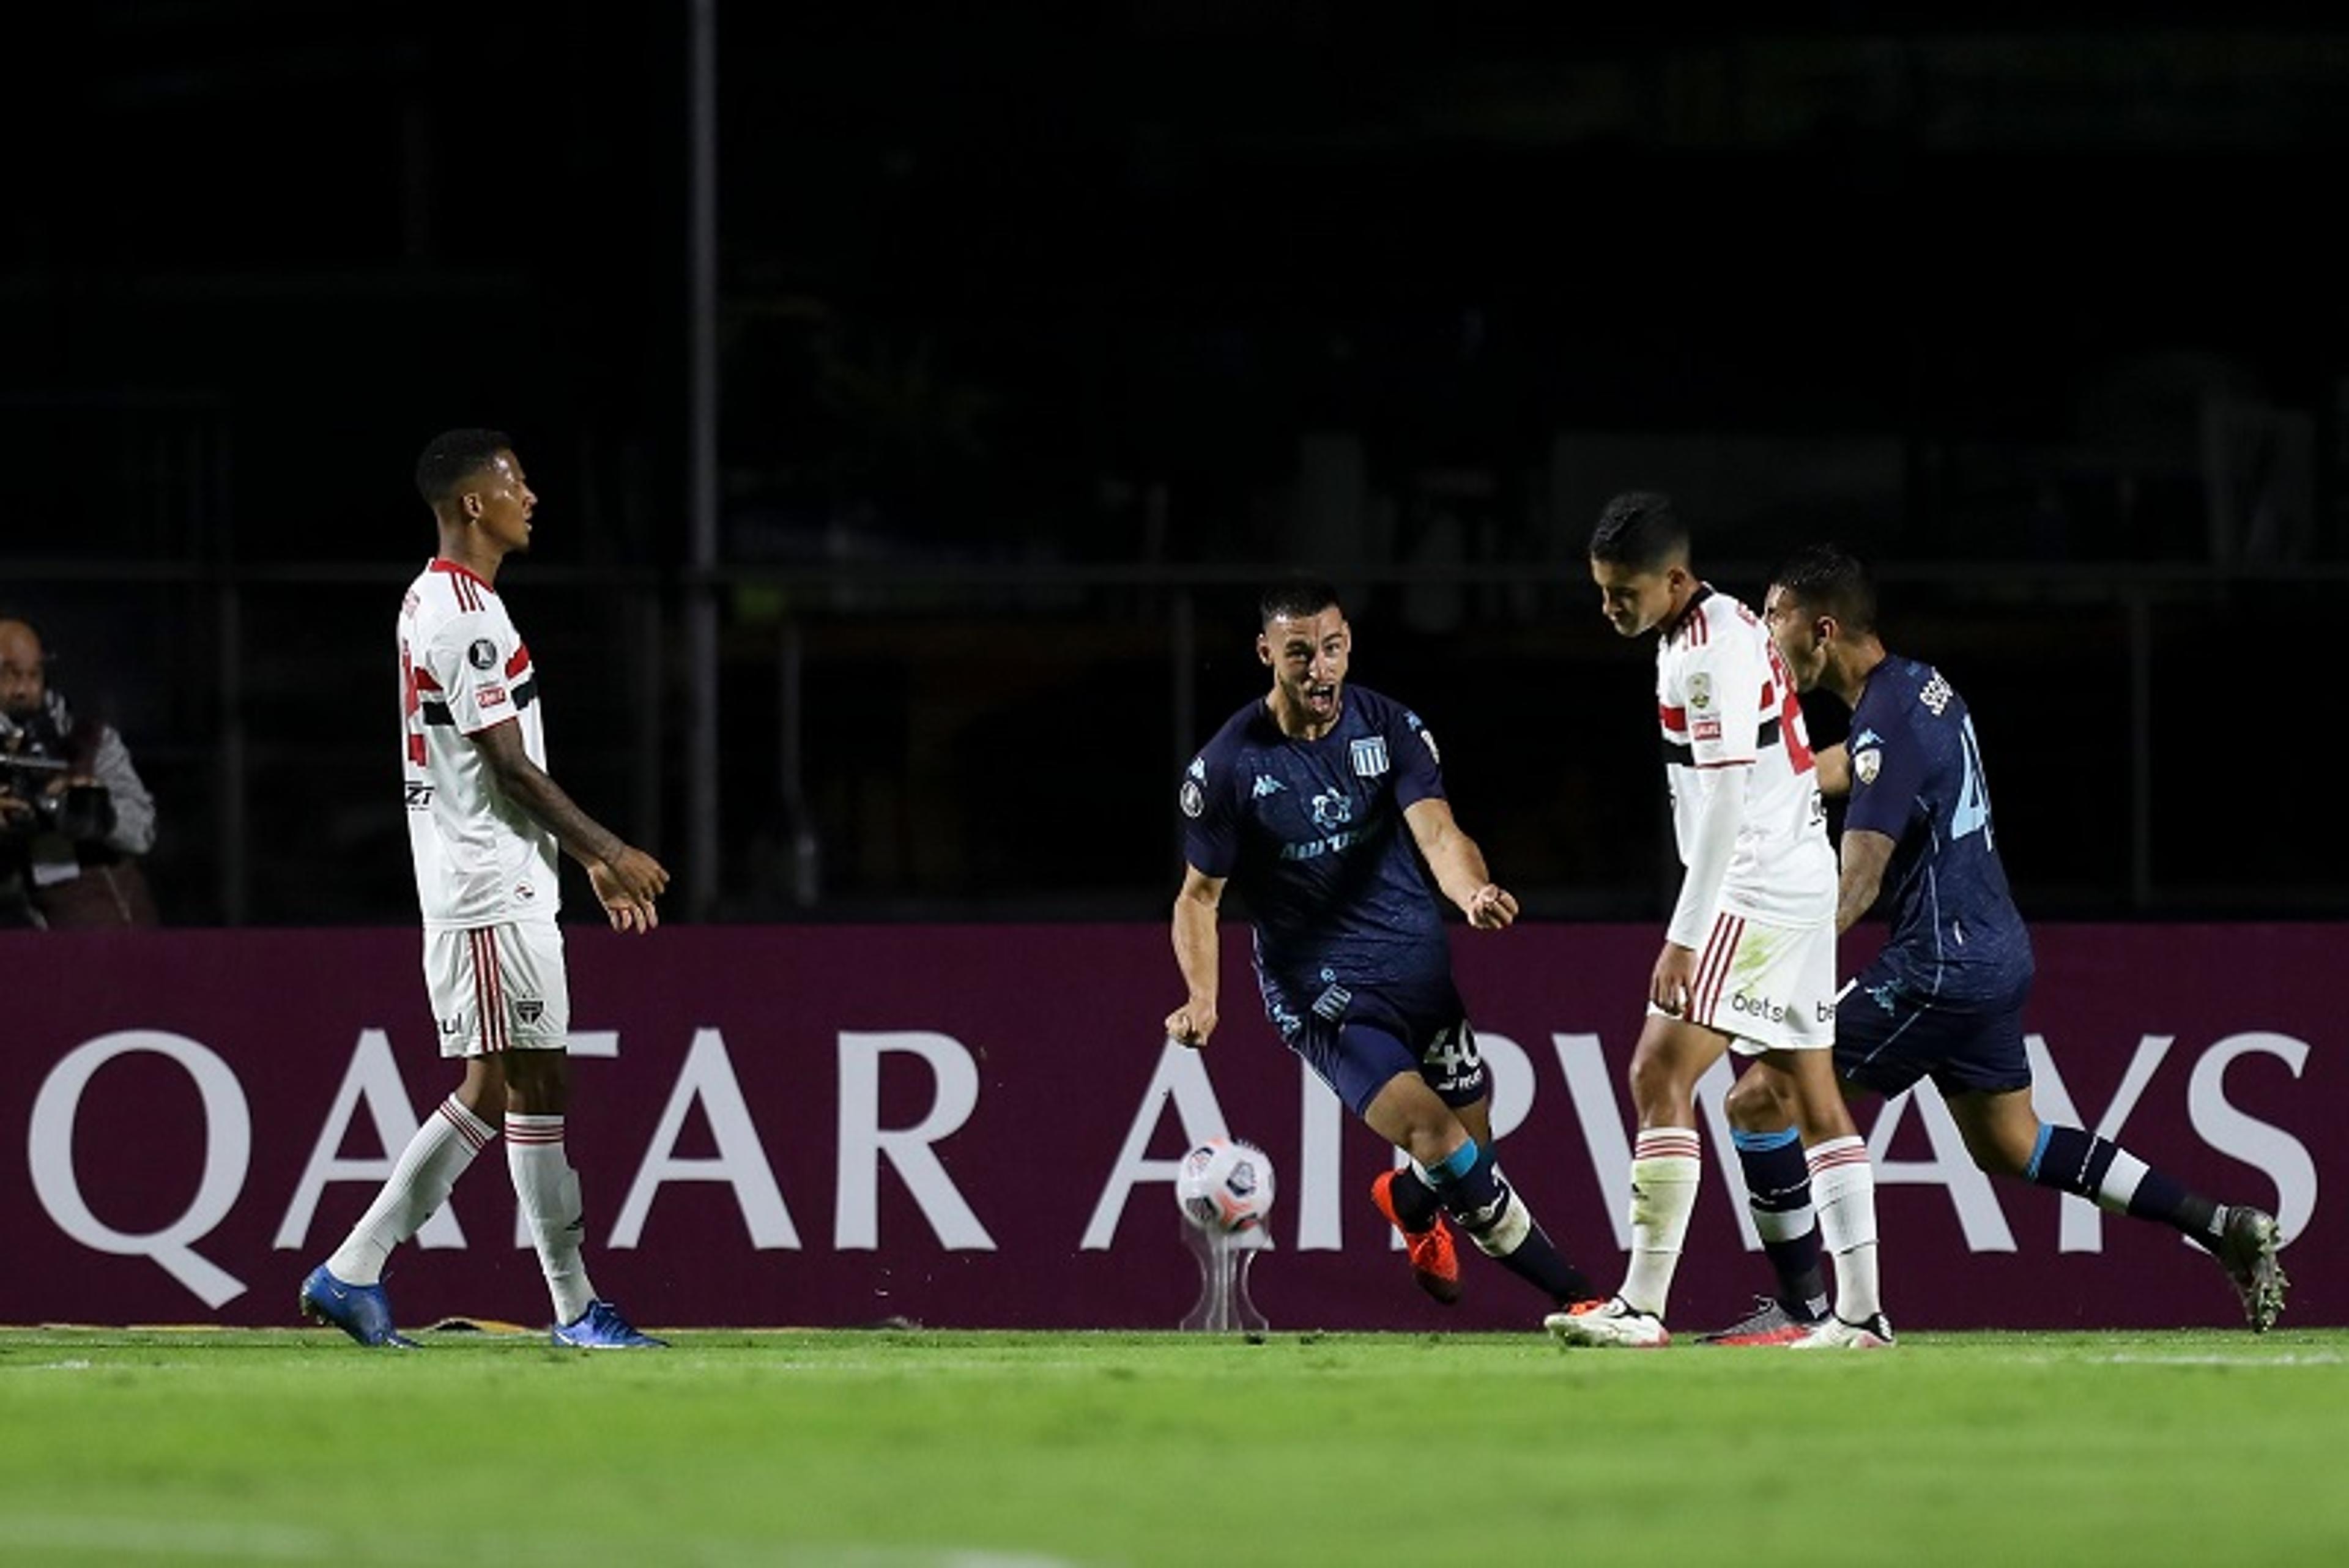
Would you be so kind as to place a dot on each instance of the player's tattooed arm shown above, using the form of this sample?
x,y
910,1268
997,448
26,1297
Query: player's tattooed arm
x,y
625,878
1863,856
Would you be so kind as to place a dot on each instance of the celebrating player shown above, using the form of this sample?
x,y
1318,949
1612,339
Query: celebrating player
x,y
1748,961
483,822
1944,996
1310,801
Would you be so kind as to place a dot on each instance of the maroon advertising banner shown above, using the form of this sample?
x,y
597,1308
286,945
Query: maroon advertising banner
x,y
977,1127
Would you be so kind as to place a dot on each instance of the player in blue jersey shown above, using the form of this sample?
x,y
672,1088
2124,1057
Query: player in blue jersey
x,y
1318,802
1943,998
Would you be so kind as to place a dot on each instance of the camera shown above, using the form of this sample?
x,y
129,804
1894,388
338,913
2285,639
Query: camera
x,y
36,758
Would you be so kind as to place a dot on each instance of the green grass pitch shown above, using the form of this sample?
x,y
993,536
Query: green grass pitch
x,y
922,1450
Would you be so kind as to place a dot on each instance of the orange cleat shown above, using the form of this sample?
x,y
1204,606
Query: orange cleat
x,y
1435,1263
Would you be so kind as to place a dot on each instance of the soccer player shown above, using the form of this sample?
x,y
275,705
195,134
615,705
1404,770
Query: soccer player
x,y
1943,998
1319,801
483,823
1748,960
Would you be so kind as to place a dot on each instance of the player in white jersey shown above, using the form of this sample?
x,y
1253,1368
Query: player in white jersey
x,y
1749,959
484,821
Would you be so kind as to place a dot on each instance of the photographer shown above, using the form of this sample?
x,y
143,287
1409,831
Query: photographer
x,y
74,816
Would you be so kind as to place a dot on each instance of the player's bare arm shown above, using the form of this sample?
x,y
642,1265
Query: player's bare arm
x,y
1863,856
1196,956
1835,770
1459,866
627,880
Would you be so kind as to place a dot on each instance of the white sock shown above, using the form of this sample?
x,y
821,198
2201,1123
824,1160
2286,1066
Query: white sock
x,y
549,1191
1843,1189
419,1184
1664,1175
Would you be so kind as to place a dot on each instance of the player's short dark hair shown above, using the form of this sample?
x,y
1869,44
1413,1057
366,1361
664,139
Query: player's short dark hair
x,y
1827,579
1640,530
1295,598
451,458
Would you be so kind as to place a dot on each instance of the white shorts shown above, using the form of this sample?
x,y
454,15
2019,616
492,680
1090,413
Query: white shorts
x,y
1768,988
498,988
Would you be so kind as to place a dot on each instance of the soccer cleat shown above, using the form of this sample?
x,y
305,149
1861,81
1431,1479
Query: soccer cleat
x,y
1836,1333
1770,1323
601,1327
2247,1251
363,1312
1612,1322
1434,1262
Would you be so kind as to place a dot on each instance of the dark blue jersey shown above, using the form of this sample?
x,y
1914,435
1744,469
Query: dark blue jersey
x,y
1917,778
1310,834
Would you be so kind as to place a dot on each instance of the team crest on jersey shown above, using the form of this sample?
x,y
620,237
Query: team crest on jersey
x,y
483,655
530,1009
1700,690
1193,799
1864,764
1369,757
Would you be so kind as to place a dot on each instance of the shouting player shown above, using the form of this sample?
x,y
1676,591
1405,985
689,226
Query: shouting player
x,y
1318,801
484,821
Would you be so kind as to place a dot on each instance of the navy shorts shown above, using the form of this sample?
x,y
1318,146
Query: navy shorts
x,y
1358,1046
1887,1038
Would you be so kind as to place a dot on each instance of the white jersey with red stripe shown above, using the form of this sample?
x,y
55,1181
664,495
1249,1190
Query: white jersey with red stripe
x,y
1726,702
481,859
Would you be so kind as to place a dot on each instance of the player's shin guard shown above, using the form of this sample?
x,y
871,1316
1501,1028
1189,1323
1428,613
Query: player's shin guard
x,y
1843,1186
548,1190
1470,1187
441,1150
1779,1191
1665,1169
2071,1160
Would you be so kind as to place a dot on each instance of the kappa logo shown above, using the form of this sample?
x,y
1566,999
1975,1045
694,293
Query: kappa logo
x,y
1266,785
1369,757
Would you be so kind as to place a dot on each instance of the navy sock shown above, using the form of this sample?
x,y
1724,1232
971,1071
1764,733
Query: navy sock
x,y
1778,1183
1472,1191
1415,1203
2070,1159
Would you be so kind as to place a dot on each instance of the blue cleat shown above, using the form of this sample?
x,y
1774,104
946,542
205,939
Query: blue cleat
x,y
601,1327
363,1312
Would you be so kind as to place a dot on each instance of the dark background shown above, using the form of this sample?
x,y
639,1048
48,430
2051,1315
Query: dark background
x,y
1046,331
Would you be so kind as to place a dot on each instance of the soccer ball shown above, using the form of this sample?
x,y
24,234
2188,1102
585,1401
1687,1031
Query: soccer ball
x,y
1225,1185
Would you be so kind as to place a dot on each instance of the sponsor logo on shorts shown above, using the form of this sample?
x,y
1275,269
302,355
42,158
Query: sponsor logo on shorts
x,y
1761,1007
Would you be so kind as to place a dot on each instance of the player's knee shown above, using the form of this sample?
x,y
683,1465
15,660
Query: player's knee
x,y
1754,1105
